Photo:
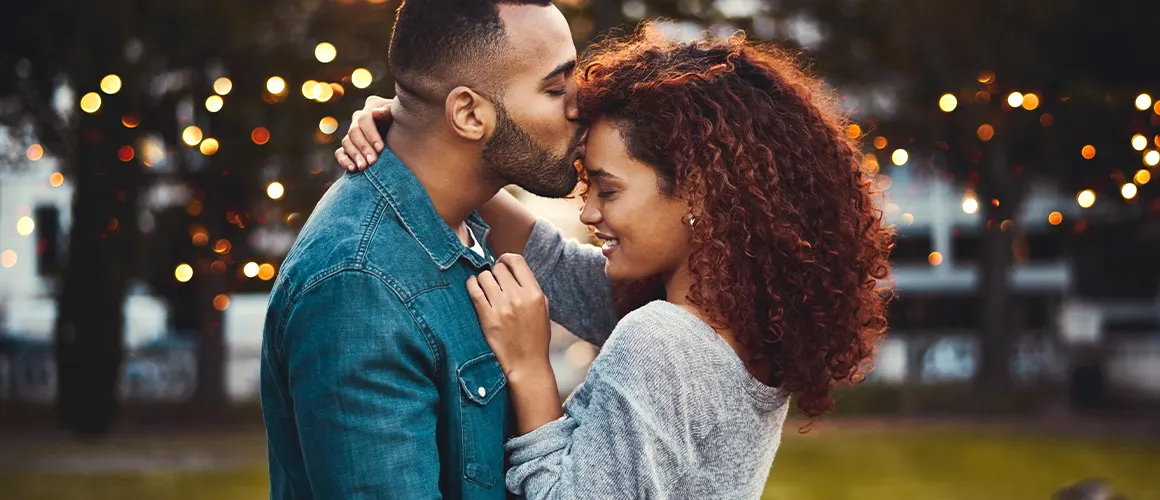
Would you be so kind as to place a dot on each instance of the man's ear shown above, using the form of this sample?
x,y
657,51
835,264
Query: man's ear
x,y
471,115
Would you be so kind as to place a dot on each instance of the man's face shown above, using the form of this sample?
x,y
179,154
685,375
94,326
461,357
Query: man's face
x,y
536,138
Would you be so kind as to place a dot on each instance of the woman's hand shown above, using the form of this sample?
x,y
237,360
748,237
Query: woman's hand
x,y
513,313
363,142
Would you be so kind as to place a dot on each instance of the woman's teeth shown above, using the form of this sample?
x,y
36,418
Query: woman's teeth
x,y
610,244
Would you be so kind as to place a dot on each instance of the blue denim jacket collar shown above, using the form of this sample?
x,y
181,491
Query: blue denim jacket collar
x,y
411,203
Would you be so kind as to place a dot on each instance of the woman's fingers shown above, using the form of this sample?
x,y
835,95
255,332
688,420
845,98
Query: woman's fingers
x,y
352,152
490,287
344,160
478,297
504,277
359,140
519,269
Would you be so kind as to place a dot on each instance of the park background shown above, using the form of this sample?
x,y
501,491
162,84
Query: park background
x,y
158,158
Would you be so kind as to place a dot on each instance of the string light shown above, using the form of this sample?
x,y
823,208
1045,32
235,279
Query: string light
x,y
275,190
325,92
209,146
328,125
899,157
879,142
948,103
1015,99
191,135
91,102
221,302
266,272
1088,152
1128,191
8,258
126,153
223,86
325,52
214,103
250,269
111,84
1143,102
276,85
1030,102
56,179
25,225
853,131
970,205
1086,198
1142,176
310,89
35,152
183,272
1054,218
1139,142
361,78
1152,158
935,258
260,135
986,132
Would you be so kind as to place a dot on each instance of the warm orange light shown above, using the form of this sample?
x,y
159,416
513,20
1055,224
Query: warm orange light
x,y
260,135
986,132
935,258
1143,176
56,179
879,142
1088,152
222,246
1055,218
854,131
130,121
265,272
221,302
125,153
35,152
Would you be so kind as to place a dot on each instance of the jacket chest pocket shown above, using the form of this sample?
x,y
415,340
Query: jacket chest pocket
x,y
482,419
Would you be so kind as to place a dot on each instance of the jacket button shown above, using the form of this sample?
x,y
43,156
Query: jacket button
x,y
482,392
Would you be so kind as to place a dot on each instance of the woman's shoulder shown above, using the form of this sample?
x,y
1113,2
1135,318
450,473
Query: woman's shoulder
x,y
659,331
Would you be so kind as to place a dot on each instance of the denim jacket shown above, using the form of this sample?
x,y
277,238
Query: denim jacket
x,y
376,381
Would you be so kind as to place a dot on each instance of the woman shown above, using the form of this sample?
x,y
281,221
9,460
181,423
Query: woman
x,y
745,250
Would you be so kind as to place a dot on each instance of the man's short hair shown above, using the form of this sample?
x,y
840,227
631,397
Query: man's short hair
x,y
440,44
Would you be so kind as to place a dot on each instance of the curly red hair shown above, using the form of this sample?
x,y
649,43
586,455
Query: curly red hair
x,y
790,247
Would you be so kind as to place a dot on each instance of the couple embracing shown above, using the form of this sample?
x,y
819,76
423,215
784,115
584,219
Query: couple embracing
x,y
405,349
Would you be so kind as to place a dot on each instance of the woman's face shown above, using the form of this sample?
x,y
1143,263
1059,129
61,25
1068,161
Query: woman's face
x,y
645,232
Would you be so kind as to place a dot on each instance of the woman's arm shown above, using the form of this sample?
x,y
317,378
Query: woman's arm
x,y
629,432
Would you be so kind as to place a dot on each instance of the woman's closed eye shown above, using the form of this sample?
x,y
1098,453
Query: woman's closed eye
x,y
605,194
558,92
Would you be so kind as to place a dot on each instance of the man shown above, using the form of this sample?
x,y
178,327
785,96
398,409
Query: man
x,y
376,380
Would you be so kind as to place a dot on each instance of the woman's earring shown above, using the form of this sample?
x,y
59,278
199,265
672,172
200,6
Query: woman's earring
x,y
690,220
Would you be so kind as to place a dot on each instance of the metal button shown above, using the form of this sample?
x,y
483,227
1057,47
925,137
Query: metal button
x,y
482,392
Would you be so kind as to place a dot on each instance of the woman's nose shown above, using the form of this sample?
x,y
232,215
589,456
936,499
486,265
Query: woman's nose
x,y
590,215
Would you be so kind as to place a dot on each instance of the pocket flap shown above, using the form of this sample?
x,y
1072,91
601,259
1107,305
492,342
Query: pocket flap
x,y
481,378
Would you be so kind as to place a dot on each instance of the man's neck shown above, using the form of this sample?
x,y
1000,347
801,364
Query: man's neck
x,y
450,175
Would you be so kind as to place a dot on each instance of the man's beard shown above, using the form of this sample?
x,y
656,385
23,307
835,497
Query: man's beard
x,y
512,155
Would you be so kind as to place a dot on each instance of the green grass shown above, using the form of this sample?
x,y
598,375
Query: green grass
x,y
830,464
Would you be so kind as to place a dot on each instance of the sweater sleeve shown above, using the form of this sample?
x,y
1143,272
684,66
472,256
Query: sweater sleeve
x,y
629,432
572,277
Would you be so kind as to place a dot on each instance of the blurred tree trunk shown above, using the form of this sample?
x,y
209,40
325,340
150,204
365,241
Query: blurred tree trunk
x,y
102,242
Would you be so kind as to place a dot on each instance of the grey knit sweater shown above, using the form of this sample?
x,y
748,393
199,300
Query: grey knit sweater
x,y
668,409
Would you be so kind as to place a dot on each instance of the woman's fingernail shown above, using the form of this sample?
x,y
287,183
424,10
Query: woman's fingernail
x,y
379,147
370,158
